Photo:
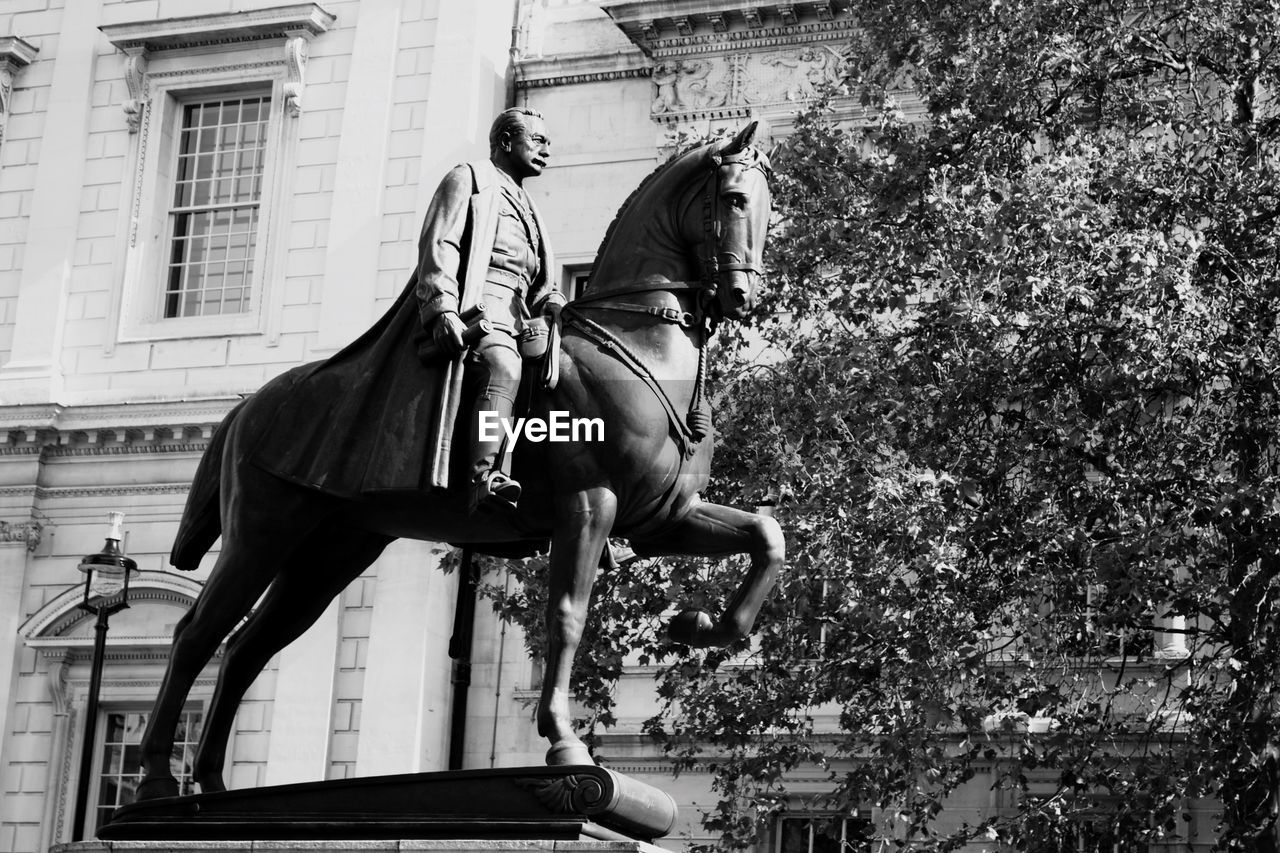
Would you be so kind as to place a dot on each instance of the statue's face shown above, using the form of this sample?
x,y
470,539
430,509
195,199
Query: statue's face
x,y
529,150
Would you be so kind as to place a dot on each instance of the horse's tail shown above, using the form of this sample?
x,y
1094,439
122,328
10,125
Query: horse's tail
x,y
201,523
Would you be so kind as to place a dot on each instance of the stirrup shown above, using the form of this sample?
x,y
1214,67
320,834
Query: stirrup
x,y
494,487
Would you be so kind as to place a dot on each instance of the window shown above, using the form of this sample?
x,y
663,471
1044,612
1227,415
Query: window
x,y
121,755
213,221
212,116
575,279
1084,837
812,833
1101,618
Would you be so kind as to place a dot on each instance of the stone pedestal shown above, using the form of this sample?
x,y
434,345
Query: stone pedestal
x,y
400,846
515,804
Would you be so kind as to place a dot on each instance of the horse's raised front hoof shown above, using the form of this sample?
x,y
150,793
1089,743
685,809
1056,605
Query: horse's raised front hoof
x,y
156,788
568,752
692,628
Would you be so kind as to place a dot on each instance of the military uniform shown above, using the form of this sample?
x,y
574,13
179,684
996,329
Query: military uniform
x,y
481,219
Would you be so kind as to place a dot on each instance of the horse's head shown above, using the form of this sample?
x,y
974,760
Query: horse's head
x,y
735,219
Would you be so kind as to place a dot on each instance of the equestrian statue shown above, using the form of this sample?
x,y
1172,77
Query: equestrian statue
x,y
308,480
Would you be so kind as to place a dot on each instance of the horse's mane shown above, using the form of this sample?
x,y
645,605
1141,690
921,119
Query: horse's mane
x,y
649,179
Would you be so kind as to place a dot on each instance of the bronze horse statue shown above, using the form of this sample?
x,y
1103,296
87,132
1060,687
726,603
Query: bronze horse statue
x,y
683,253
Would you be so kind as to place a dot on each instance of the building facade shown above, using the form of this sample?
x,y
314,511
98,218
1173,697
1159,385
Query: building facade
x,y
197,195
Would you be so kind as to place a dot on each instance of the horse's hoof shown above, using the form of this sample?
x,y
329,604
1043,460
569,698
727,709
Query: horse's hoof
x,y
212,784
568,752
692,628
156,788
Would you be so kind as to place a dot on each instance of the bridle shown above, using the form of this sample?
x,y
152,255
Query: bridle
x,y
709,264
690,429
709,257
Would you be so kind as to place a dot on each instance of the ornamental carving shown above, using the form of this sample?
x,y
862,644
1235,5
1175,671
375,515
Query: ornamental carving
x,y
135,78
15,54
295,60
690,84
28,532
747,79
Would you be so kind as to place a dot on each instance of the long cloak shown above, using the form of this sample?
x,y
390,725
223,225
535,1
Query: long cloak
x,y
361,421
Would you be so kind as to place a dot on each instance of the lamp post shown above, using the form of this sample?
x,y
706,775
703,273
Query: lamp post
x,y
106,591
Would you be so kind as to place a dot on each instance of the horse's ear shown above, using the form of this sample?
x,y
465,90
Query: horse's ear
x,y
741,141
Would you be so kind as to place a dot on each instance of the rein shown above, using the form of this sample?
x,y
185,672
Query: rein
x,y
687,436
694,425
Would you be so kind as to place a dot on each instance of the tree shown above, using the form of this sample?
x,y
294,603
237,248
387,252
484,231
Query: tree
x,y
1019,420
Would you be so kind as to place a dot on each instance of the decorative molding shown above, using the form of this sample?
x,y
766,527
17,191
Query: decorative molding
x,y
589,77
307,19
59,665
221,68
43,629
295,53
28,532
583,68
764,37
64,790
53,430
15,54
294,24
135,78
719,86
708,23
140,168
566,794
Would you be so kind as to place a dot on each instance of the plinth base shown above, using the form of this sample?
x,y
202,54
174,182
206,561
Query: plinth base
x,y
515,803
401,846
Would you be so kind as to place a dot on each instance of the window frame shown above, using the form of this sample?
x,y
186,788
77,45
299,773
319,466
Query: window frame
x,y
93,808
812,818
574,277
173,87
185,100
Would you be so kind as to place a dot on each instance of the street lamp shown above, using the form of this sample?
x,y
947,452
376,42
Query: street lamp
x,y
106,591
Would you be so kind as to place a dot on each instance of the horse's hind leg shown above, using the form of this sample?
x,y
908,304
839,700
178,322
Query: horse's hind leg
x,y
583,522
312,578
712,530
237,579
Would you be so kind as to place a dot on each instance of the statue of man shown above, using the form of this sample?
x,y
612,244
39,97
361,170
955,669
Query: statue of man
x,y
510,275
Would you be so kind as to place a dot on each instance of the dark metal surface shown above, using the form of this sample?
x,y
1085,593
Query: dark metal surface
x,y
563,803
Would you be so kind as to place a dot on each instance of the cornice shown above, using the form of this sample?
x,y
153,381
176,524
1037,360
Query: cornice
x,y
16,53
542,72
676,27
299,19
53,430
42,493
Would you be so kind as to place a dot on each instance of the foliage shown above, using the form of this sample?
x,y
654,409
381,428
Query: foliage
x,y
1017,412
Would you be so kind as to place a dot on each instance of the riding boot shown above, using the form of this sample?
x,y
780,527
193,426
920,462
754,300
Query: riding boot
x,y
489,483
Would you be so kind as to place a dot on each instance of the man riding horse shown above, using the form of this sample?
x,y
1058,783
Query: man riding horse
x,y
482,244
306,481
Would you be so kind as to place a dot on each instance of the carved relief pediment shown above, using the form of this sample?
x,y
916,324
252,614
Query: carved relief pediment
x,y
716,60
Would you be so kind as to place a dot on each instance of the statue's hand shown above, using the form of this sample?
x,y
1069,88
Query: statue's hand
x,y
552,304
447,333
